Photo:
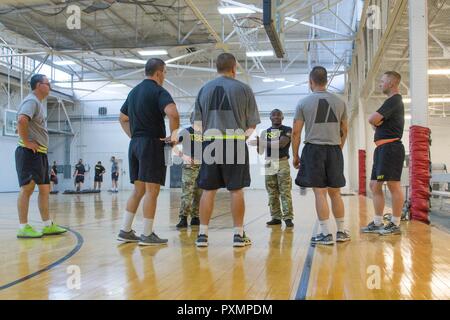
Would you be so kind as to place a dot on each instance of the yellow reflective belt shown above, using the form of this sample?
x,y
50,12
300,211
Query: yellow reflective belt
x,y
225,137
196,137
41,149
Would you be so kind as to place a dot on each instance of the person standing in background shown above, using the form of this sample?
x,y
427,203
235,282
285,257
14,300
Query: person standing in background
x,y
114,174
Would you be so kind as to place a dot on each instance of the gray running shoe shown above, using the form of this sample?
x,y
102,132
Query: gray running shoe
x,y
372,228
342,236
202,240
152,240
323,239
128,236
389,229
241,241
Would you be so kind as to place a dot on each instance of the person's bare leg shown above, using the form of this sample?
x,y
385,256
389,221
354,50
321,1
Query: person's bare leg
x,y
23,201
206,206
237,207
322,209
44,191
378,197
135,197
337,205
397,197
150,199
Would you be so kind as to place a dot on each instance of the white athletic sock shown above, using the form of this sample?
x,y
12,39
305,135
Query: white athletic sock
x,y
324,226
127,221
203,229
395,220
378,220
21,226
340,224
148,227
239,231
48,223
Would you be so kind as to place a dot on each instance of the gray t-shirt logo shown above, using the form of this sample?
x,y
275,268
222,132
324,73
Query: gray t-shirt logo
x,y
322,113
325,112
219,100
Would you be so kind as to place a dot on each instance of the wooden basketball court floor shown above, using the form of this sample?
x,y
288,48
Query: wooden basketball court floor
x,y
279,265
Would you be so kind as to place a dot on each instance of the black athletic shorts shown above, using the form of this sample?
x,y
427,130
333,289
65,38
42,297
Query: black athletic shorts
x,y
79,179
321,166
98,178
114,176
232,175
388,162
146,158
31,166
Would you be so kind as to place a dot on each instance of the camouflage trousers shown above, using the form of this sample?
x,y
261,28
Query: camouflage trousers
x,y
190,192
279,185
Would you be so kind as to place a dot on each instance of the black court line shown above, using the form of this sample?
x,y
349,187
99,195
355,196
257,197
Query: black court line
x,y
304,280
80,242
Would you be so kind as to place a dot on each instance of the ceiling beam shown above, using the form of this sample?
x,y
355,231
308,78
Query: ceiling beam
x,y
215,35
393,20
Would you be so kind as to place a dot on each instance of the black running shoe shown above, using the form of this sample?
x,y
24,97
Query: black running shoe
x,y
195,221
289,223
273,222
183,223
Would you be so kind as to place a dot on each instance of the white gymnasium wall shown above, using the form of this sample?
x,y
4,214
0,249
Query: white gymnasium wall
x,y
8,176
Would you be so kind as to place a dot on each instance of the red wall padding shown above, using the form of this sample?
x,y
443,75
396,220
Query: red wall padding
x,y
419,172
362,171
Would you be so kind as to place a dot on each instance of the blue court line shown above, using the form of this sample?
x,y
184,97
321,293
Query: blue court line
x,y
304,280
51,266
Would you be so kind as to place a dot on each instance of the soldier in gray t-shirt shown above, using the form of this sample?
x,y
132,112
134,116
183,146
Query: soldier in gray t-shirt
x,y
31,158
322,112
226,113
321,165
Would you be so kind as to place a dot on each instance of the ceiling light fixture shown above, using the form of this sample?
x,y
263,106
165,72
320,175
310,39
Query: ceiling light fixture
x,y
234,10
442,72
266,53
159,52
431,100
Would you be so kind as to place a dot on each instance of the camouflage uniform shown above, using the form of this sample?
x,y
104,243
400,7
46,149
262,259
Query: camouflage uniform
x,y
191,193
279,185
278,175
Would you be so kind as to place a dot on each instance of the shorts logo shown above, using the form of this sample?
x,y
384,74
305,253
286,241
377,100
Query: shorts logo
x,y
325,114
380,177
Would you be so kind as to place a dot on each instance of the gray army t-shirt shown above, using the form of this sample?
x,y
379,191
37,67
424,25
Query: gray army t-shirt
x,y
322,113
226,103
37,126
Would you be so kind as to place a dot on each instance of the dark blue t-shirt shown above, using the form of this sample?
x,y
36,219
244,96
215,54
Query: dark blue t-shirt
x,y
274,134
145,108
